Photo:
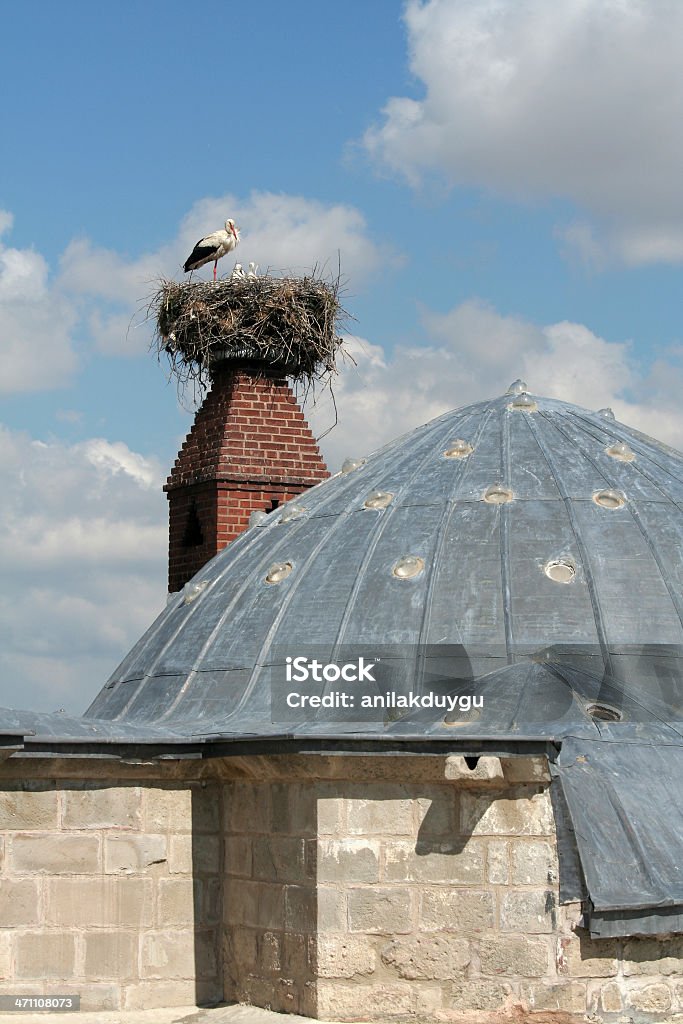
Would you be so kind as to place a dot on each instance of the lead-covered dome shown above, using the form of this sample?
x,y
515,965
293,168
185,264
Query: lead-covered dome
x,y
521,547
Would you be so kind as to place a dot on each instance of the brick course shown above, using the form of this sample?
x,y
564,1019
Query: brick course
x,y
249,447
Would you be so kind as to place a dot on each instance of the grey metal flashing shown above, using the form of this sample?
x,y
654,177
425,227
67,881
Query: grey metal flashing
x,y
617,924
208,748
625,801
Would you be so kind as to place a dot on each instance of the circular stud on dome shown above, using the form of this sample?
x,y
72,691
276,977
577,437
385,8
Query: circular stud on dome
x,y
458,449
291,511
278,572
378,499
560,570
604,712
609,499
257,517
349,465
192,590
620,450
606,413
496,494
518,387
523,403
408,567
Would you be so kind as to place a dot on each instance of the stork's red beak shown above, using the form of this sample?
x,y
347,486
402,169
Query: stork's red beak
x,y
234,229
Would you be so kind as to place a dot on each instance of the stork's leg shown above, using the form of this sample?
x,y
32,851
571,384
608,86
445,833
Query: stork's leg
x,y
214,269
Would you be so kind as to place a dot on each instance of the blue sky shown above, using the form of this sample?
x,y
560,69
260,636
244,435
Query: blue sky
x,y
501,181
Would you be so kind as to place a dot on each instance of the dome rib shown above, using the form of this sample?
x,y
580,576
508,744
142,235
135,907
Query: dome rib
x,y
461,472
632,505
438,560
505,513
583,554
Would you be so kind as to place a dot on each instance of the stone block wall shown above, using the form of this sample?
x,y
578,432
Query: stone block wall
x,y
110,890
370,898
270,902
339,888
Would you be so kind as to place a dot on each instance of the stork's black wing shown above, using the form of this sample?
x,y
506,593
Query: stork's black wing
x,y
200,254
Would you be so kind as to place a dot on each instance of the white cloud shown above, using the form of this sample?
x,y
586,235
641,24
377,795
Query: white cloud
x,y
36,325
119,334
83,541
23,275
89,269
114,458
474,354
641,244
279,232
292,233
581,99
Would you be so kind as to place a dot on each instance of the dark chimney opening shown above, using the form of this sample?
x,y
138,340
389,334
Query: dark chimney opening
x,y
193,536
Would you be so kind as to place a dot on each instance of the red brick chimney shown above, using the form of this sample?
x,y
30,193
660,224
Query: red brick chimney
x,y
249,448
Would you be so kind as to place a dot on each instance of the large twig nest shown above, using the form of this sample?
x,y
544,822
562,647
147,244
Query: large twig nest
x,y
287,323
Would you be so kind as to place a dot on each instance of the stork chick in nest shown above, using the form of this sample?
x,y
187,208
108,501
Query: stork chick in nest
x,y
212,247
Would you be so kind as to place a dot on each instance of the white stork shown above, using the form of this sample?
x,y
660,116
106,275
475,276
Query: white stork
x,y
212,247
